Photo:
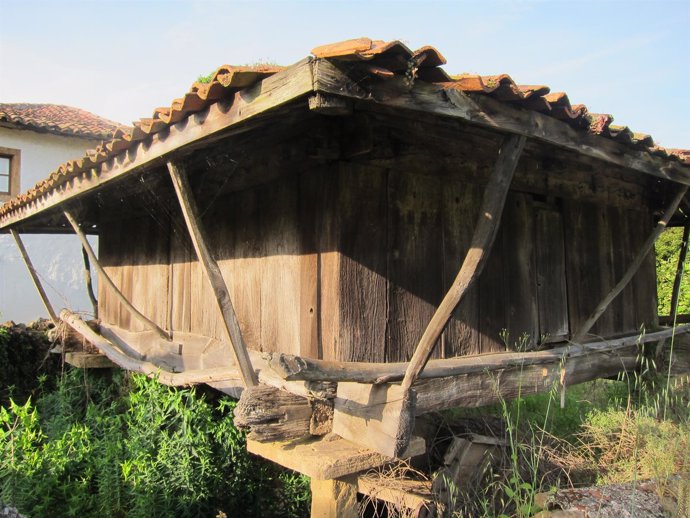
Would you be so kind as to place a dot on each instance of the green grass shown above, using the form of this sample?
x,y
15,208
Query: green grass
x,y
607,432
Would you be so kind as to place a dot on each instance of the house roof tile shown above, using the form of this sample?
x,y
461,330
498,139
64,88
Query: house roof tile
x,y
57,118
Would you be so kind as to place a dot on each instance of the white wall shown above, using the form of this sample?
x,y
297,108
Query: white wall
x,y
57,258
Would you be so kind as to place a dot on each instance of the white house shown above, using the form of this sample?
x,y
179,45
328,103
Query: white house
x,y
34,140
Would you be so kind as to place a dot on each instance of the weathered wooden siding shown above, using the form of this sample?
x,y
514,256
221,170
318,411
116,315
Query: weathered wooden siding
x,y
348,259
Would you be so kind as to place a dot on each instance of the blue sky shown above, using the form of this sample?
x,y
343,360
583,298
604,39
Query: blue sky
x,y
123,58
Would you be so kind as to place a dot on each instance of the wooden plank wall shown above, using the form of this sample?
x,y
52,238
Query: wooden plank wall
x,y
135,253
600,243
353,294
347,260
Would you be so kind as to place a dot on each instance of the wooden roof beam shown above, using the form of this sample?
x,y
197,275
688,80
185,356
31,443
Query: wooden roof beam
x,y
330,78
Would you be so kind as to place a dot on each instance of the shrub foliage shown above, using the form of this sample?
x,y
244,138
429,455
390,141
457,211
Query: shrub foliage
x,y
120,445
667,251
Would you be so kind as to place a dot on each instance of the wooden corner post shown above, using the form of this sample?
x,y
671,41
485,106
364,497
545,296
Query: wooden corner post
x,y
34,276
212,272
109,282
336,498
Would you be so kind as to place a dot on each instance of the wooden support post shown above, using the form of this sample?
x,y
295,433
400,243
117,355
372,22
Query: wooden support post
x,y
679,272
34,276
108,281
632,269
271,414
336,498
212,272
89,284
484,235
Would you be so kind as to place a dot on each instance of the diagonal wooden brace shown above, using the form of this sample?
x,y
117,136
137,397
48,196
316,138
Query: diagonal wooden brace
x,y
105,278
632,269
390,409
482,240
212,272
34,276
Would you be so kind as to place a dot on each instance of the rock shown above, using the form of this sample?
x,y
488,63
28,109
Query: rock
x,y
9,512
639,500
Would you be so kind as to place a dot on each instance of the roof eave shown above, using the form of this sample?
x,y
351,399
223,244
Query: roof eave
x,y
489,113
281,88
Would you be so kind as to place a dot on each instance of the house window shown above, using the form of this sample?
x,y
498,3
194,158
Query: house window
x,y
9,173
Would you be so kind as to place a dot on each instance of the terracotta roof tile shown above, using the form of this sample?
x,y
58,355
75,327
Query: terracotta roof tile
x,y
382,60
57,118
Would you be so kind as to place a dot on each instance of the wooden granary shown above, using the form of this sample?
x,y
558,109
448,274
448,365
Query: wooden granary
x,y
360,239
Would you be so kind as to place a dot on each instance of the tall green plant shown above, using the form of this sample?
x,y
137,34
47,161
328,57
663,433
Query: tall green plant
x,y
128,446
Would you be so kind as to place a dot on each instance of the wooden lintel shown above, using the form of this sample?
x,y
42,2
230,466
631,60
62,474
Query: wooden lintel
x,y
34,276
105,278
212,272
632,269
287,85
499,116
483,238
293,368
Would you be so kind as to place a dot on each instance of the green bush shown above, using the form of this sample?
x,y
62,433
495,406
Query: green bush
x,y
23,358
667,250
124,445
